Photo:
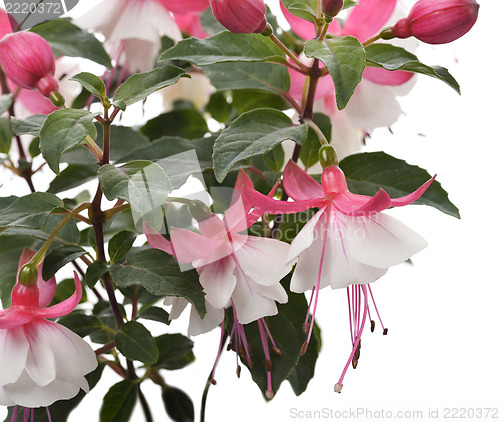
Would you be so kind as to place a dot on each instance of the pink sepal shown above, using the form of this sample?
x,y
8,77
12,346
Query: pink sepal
x,y
64,307
368,18
11,318
412,197
156,240
299,185
190,246
372,205
185,6
387,77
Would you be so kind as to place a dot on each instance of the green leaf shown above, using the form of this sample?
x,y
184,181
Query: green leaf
x,y
34,147
91,83
120,244
367,172
31,211
141,85
390,57
32,125
292,224
254,133
302,10
187,123
119,402
178,405
159,274
225,47
247,100
59,257
176,351
275,159
73,176
81,324
94,272
5,135
67,39
309,153
219,107
5,102
209,24
344,58
155,314
62,130
263,76
135,342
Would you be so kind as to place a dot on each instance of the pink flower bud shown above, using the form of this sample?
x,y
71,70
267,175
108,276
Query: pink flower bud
x,y
438,21
331,8
240,16
28,61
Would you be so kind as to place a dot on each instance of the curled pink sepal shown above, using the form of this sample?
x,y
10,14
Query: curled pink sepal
x,y
370,205
299,185
412,197
64,307
156,240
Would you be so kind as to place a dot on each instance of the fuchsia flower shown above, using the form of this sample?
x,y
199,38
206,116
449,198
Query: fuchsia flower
x,y
349,241
28,61
40,361
438,21
240,16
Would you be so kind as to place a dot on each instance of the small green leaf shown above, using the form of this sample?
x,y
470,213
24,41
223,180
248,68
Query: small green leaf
x,y
32,125
254,133
392,58
176,351
119,402
91,83
344,58
94,272
67,39
275,159
5,135
366,173
187,123
219,107
302,10
62,130
5,102
178,405
73,176
225,47
141,85
136,343
59,257
155,314
120,244
81,324
159,274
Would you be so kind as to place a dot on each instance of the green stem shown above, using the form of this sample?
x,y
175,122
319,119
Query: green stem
x,y
317,130
371,40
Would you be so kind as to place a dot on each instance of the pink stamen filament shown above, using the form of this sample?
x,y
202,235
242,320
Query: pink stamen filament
x,y
219,352
14,413
48,414
338,386
309,310
275,348
376,310
350,314
265,347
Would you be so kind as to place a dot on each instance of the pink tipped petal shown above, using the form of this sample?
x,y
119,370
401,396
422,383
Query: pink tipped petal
x,y
299,185
190,246
64,307
372,205
156,240
387,77
368,18
412,197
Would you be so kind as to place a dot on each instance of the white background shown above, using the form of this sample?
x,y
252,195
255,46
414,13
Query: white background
x,y
443,313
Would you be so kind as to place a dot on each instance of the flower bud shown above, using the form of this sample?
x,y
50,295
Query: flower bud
x,y
240,16
438,21
331,8
28,275
328,156
28,61
199,211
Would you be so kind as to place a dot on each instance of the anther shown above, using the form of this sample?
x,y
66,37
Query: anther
x,y
269,365
386,330
303,349
305,328
338,388
269,394
277,351
372,325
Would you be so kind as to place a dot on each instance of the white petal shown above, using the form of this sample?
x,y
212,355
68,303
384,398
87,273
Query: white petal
x,y
13,353
178,305
305,237
212,319
141,54
218,281
5,399
276,292
40,363
382,241
263,260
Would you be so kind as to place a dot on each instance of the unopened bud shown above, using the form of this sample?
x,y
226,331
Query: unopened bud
x,y
28,61
240,16
331,8
438,21
328,156
199,211
28,276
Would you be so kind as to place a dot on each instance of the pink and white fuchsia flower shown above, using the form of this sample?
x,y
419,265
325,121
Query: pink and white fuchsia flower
x,y
349,241
40,361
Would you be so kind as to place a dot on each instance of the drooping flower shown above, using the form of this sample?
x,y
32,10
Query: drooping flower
x,y
40,361
349,241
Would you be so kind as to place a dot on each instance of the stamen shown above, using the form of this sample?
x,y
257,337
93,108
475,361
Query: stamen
x,y
219,352
306,325
265,347
385,330
350,314
14,413
275,348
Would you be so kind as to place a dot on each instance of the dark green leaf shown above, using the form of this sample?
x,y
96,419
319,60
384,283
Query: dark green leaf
x,y
225,47
219,107
344,57
141,85
159,273
62,130
310,150
209,24
5,103
135,342
155,314
119,402
81,324
275,159
302,10
120,244
247,100
178,405
368,172
32,125
58,258
67,39
94,272
5,135
176,351
254,133
263,76
390,57
34,147
91,83
187,123
72,176
31,211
